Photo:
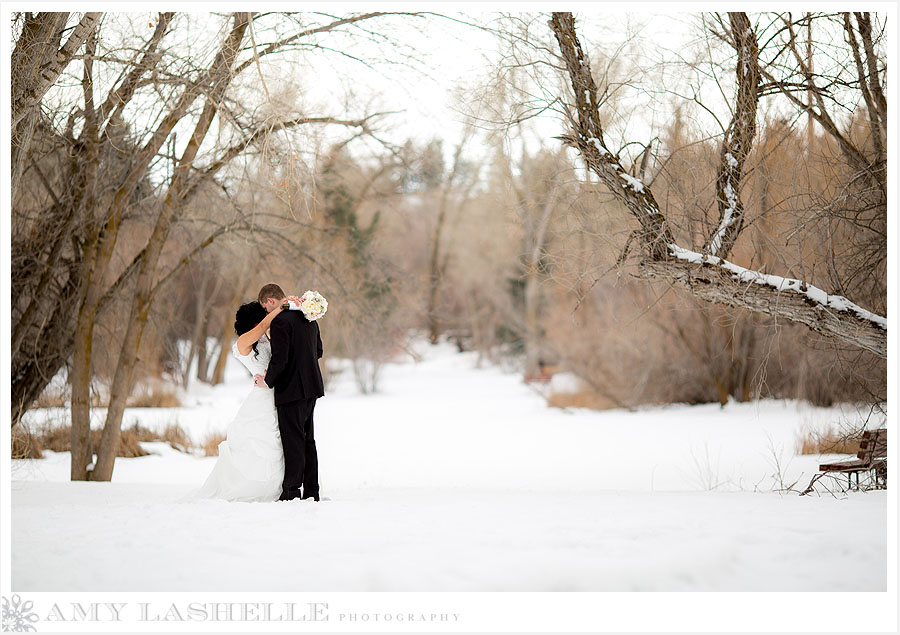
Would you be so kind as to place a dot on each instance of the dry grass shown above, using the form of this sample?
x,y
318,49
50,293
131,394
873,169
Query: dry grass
x,y
129,443
31,443
25,445
154,399
58,439
173,434
52,399
827,442
581,399
210,444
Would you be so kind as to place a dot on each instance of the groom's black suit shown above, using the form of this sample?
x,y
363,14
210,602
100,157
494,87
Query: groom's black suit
x,y
294,374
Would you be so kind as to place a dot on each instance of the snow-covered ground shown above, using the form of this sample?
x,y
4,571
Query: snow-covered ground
x,y
459,478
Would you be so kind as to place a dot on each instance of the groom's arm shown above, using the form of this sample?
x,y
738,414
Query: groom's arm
x,y
280,342
318,341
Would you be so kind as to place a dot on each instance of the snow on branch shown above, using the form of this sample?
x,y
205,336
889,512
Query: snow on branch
x,y
715,279
738,138
742,274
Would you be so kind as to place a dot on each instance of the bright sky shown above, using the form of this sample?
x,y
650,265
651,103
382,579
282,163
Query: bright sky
x,y
432,71
449,63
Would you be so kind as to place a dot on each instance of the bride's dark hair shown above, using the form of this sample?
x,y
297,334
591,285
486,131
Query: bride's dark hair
x,y
247,316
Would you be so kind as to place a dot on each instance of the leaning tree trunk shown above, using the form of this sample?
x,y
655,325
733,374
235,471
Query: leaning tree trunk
x,y
706,275
713,282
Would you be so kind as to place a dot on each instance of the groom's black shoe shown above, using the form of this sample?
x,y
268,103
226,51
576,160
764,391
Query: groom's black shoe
x,y
315,497
289,496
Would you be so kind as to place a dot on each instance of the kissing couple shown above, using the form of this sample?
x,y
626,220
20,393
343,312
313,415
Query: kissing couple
x,y
270,449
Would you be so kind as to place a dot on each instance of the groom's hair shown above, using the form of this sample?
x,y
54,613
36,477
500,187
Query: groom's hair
x,y
270,291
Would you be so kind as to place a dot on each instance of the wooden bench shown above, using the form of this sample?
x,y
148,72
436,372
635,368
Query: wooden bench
x,y
872,456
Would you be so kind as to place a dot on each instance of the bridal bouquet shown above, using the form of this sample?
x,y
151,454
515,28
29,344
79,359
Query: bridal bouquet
x,y
312,304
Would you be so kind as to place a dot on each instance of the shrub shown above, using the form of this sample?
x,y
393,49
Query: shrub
x,y
57,438
210,445
25,445
154,399
827,442
581,399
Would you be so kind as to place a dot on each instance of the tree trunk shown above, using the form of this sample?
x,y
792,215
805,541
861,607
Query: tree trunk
x,y
80,382
225,338
532,325
220,75
198,336
202,351
226,328
738,139
38,60
80,377
436,275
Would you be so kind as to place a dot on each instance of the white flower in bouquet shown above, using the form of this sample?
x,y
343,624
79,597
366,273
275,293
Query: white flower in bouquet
x,y
312,304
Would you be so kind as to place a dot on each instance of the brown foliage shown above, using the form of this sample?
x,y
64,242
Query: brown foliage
x,y
24,444
827,442
28,443
582,399
210,445
154,399
173,434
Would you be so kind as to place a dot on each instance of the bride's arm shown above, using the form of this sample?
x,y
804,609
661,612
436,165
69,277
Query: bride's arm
x,y
245,341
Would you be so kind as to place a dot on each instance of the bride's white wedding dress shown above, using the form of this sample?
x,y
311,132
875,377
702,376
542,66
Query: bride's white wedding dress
x,y
250,466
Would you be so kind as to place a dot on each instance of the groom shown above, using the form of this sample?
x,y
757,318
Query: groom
x,y
294,374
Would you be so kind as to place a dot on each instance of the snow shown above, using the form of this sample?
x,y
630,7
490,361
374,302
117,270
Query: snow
x,y
731,197
460,478
729,158
727,219
836,302
636,184
727,215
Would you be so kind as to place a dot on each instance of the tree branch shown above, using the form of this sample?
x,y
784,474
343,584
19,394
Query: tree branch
x,y
708,277
738,138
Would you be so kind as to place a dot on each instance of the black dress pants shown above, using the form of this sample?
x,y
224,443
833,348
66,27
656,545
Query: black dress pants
x,y
301,463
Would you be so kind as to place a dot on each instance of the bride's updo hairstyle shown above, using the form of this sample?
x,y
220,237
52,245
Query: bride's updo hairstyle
x,y
247,316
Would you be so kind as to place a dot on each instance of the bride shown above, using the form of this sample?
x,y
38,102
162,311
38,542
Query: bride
x,y
250,466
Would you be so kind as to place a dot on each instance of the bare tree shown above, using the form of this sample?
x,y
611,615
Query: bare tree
x,y
455,190
707,275
111,182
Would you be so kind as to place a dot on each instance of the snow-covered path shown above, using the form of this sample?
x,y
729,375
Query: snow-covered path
x,y
132,537
458,478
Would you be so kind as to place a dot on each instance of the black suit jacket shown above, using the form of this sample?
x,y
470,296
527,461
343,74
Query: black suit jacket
x,y
294,368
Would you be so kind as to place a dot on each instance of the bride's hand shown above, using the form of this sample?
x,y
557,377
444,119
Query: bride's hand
x,y
271,314
294,299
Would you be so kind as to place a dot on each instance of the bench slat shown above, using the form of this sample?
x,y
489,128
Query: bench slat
x,y
873,444
845,466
